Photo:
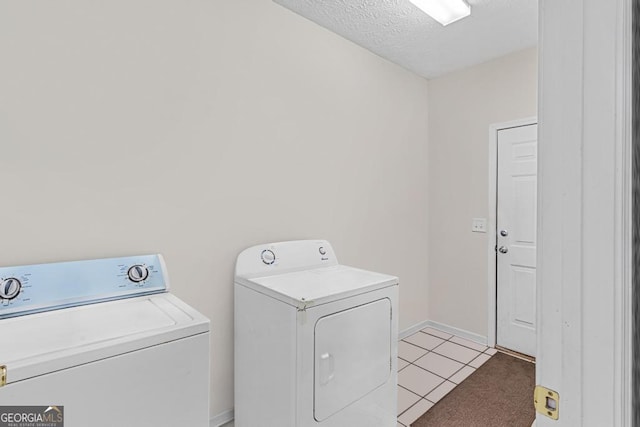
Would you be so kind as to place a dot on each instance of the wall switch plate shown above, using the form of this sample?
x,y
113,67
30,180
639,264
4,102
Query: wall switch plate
x,y
479,225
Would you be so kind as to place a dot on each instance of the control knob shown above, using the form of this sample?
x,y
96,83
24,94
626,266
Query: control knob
x,y
268,257
138,273
10,288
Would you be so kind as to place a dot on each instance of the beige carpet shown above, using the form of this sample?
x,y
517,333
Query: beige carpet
x,y
499,393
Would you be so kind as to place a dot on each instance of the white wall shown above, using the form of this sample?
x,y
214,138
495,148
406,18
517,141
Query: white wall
x,y
462,106
198,128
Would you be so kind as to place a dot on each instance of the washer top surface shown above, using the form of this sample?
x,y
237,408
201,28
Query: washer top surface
x,y
304,273
50,341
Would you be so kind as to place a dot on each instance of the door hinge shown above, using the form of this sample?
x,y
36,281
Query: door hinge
x,y
3,375
546,401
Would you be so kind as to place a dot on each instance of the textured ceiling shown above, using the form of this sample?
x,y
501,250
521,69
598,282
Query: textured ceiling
x,y
402,33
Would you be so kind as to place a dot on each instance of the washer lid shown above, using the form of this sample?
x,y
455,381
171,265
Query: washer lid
x,y
316,286
40,343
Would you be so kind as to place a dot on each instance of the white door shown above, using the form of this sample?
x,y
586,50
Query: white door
x,y
516,238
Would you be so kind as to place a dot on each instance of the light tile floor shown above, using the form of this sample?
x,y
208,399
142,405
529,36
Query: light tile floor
x,y
431,363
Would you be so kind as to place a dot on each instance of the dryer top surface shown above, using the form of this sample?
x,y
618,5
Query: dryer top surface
x,y
319,285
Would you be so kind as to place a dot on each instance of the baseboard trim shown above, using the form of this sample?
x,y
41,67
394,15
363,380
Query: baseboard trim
x,y
471,336
221,419
413,329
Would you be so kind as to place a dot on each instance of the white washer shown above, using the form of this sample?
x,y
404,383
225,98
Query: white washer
x,y
315,341
105,341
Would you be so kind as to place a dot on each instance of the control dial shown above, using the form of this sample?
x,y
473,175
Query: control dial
x,y
10,288
138,273
268,257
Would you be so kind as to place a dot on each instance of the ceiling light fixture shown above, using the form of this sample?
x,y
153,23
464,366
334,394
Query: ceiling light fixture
x,y
444,11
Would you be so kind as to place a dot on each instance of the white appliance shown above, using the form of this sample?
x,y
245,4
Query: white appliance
x,y
315,341
104,340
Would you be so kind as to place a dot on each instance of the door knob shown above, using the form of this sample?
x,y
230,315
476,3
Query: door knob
x,y
503,250
504,233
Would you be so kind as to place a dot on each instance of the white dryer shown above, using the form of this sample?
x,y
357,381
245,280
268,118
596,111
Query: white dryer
x,y
315,341
104,343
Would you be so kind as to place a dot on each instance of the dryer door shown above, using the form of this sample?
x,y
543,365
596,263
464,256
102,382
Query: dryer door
x,y
352,356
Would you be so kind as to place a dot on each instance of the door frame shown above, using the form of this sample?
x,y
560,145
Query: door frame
x,y
492,277
584,229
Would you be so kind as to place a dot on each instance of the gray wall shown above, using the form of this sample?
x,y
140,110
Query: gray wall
x,y
198,128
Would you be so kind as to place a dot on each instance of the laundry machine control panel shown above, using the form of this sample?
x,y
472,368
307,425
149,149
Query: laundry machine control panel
x,y
278,258
42,287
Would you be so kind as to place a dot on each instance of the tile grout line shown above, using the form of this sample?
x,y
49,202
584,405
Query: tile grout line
x,y
419,400
411,391
444,380
454,336
412,405
486,348
448,340
447,357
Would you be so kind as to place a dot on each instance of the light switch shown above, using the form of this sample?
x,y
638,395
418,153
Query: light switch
x,y
479,225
